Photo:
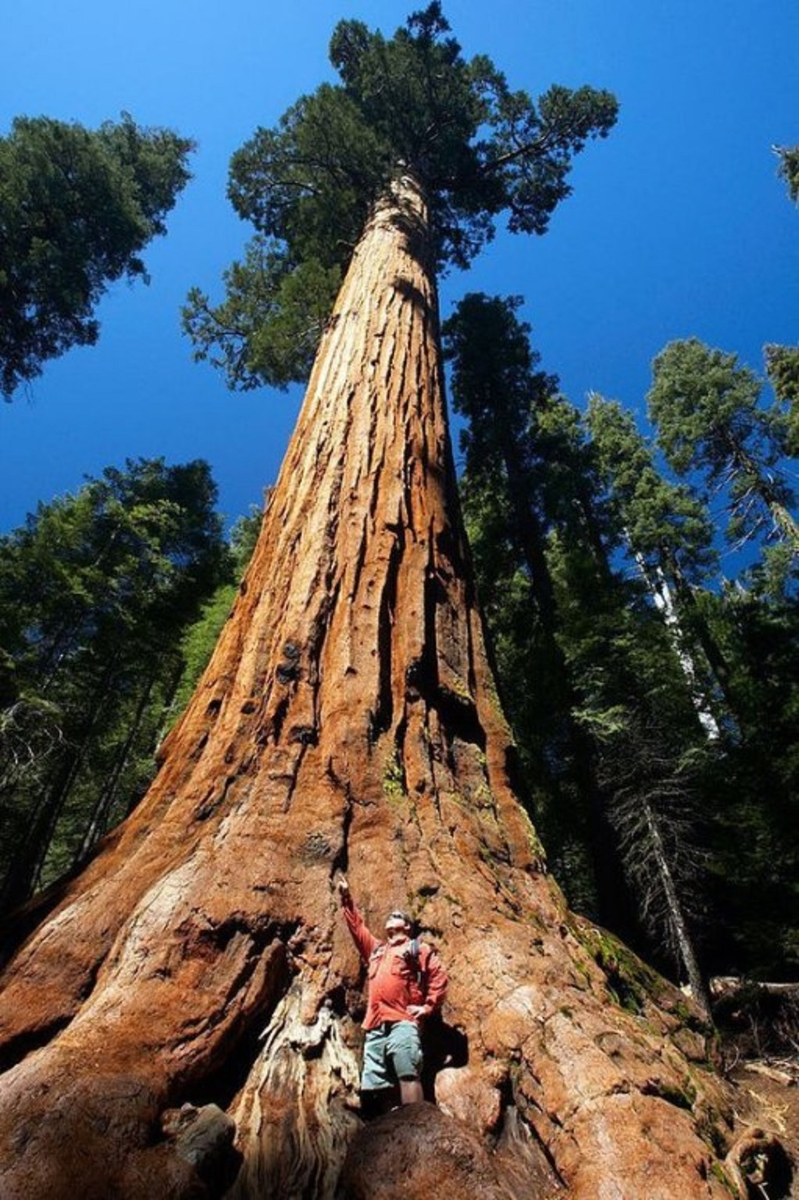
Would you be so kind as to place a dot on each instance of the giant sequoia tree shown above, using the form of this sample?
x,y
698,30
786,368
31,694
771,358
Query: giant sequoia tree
x,y
348,720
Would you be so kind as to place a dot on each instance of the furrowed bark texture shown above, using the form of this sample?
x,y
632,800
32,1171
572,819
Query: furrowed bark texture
x,y
348,719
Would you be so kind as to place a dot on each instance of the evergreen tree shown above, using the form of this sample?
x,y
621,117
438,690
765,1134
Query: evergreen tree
x,y
94,591
199,638
649,750
782,365
601,742
789,169
753,801
709,419
669,534
77,207
509,496
407,104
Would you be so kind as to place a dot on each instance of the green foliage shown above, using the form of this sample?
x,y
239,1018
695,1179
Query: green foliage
x,y
709,418
608,736
200,637
649,749
662,521
95,589
243,537
198,642
394,788
754,800
497,385
509,493
76,209
782,365
269,325
409,103
580,643
789,169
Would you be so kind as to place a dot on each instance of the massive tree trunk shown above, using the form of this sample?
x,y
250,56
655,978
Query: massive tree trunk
x,y
347,720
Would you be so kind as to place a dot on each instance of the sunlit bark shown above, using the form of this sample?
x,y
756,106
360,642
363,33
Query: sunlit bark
x,y
347,720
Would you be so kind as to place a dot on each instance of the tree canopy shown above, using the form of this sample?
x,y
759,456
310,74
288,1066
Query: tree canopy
x,y
409,103
95,591
77,207
710,419
789,169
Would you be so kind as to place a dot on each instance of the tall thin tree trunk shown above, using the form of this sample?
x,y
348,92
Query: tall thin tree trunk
x,y
98,818
347,720
661,593
25,870
677,920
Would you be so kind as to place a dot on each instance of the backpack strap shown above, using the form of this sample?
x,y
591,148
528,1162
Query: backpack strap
x,y
413,956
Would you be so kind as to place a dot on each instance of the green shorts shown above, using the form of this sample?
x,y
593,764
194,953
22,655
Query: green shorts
x,y
391,1052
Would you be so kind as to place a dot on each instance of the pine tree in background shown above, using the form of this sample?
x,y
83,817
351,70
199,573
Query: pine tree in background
x,y
512,491
669,534
782,365
754,800
77,207
789,169
709,420
198,640
109,578
607,751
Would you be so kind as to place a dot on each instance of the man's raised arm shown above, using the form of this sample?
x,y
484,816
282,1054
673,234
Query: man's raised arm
x,y
363,938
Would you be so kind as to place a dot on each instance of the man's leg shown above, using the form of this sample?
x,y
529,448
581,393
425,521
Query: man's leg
x,y
411,1091
405,1051
378,1082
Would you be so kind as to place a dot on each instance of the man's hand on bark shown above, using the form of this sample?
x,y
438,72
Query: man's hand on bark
x,y
417,1010
343,889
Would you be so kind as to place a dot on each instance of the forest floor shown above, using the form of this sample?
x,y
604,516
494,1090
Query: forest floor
x,y
772,1103
758,1025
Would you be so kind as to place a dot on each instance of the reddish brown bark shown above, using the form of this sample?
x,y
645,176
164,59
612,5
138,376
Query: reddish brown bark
x,y
347,720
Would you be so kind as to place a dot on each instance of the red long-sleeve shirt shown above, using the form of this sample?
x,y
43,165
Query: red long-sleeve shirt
x,y
393,982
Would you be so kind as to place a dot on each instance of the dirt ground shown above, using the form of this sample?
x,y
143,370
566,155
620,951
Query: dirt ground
x,y
774,1106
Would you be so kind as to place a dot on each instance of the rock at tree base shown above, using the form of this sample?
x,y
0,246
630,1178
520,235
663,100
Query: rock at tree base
x,y
417,1152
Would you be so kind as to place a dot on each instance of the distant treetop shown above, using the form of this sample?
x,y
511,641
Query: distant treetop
x,y
410,103
77,207
789,169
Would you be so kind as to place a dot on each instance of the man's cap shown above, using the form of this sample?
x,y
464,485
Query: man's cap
x,y
398,915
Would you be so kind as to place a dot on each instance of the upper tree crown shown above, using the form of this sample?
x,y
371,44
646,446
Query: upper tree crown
x,y
410,102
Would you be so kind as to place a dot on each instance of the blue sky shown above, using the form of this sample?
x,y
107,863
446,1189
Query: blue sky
x,y
678,225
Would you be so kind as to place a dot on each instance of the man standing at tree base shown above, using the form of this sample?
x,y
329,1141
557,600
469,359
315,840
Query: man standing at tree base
x,y
406,983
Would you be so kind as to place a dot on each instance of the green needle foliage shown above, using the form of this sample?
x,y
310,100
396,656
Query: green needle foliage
x,y
409,103
95,591
709,419
664,523
782,366
199,640
77,207
591,674
789,169
669,533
